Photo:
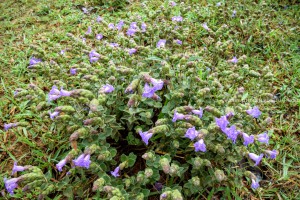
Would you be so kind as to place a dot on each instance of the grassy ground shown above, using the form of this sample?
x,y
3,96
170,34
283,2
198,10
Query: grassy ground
x,y
267,33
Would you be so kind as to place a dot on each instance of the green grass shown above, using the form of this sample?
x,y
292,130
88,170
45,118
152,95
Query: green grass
x,y
268,34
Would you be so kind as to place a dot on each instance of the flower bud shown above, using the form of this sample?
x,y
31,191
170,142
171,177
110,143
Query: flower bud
x,y
164,163
254,73
148,172
174,170
220,176
94,105
196,181
98,184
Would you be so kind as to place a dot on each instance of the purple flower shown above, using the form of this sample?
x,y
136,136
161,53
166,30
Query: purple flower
x,y
177,116
229,115
143,27
73,71
83,40
263,138
198,112
247,139
17,168
218,4
148,91
191,133
10,125
200,146
107,88
54,93
161,43
114,44
158,186
233,13
62,52
11,184
85,11
222,122
120,25
34,61
231,133
99,36
83,161
204,25
54,114
254,184
234,60
93,53
94,59
271,154
172,3
99,19
131,51
157,84
65,93
177,19
131,32
111,26
256,158
178,42
133,25
115,173
163,196
145,136
254,112
61,164
89,31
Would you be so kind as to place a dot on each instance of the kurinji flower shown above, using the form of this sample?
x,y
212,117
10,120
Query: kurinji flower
x,y
54,114
17,168
254,112
247,139
83,161
111,26
229,115
94,59
83,40
161,43
115,173
178,42
108,88
93,53
148,91
231,133
73,71
120,25
61,164
177,116
145,136
131,51
222,122
11,184
158,186
143,27
10,125
204,25
234,60
177,18
198,112
133,25
62,52
54,93
200,146
172,3
65,93
114,44
131,32
191,133
254,184
256,158
157,84
99,19
271,154
89,31
218,4
85,10
33,61
263,138
99,36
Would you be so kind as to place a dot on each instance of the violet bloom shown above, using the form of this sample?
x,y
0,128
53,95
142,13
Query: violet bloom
x,y
198,112
229,115
177,116
148,91
99,36
222,122
17,168
73,71
145,136
200,146
233,13
161,43
85,10
271,154
143,27
83,40
263,138
218,4
133,25
247,139
157,84
11,184
131,51
54,93
65,93
115,173
234,60
108,88
120,25
83,161
172,3
254,184
232,133
89,31
158,186
178,42
34,61
130,32
94,56
256,158
61,164
111,26
191,133
254,112
99,19
62,52
94,59
54,114
177,19
114,44
204,25
10,125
